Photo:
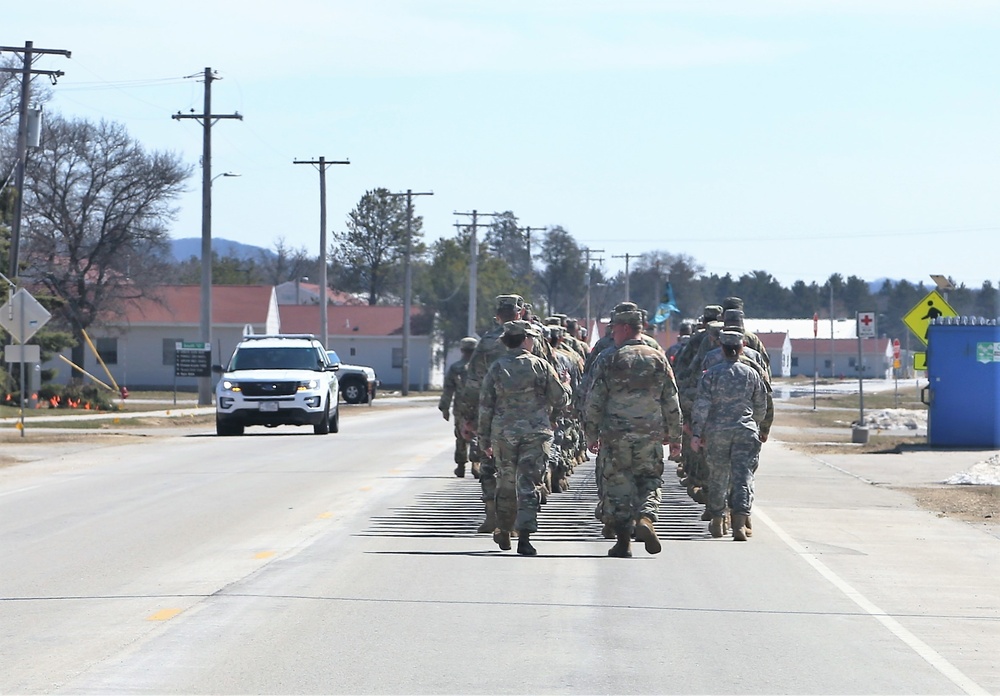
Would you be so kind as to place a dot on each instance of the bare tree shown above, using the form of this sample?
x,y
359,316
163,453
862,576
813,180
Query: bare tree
x,y
96,206
287,263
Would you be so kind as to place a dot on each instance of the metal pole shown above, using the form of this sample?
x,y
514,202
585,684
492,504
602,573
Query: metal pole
x,y
861,383
23,334
473,276
322,254
205,383
22,156
407,277
408,290
323,313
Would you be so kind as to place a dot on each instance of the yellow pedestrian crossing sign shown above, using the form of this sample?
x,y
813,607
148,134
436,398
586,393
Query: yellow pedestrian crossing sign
x,y
931,307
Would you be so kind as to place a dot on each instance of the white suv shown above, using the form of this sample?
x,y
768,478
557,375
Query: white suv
x,y
277,380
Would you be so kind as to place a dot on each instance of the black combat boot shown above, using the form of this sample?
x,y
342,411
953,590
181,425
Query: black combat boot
x,y
524,546
502,540
621,548
460,471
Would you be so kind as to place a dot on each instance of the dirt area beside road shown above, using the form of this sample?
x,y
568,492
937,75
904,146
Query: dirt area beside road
x,y
828,430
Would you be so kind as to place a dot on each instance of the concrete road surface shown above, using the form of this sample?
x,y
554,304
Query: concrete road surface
x,y
285,562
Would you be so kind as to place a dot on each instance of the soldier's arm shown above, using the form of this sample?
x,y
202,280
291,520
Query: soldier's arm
x,y
487,406
444,403
557,392
671,410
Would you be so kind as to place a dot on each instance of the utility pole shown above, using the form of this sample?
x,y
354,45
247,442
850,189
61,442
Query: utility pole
x,y
527,237
207,120
321,164
628,297
408,286
587,252
473,264
27,56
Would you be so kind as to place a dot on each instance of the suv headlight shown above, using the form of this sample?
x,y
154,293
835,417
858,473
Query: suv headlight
x,y
230,385
309,385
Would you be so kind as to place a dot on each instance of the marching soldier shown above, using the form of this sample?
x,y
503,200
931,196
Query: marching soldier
x,y
632,411
453,380
520,395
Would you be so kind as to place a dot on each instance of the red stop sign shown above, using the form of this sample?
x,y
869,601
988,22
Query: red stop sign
x,y
895,348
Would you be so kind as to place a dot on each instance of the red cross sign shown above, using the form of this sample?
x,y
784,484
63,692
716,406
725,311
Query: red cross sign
x,y
866,324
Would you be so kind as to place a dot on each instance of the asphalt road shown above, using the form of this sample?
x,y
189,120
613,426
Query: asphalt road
x,y
285,562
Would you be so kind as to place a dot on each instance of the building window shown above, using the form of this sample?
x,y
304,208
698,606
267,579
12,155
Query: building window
x,y
828,364
170,350
795,361
353,351
107,348
397,357
852,362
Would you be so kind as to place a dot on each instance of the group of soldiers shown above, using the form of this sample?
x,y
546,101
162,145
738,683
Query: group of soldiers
x,y
530,399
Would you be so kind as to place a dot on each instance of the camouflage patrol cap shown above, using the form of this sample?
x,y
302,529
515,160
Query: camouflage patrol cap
x,y
625,307
732,303
630,318
715,327
552,321
711,312
571,323
686,328
731,338
515,301
468,343
733,319
520,328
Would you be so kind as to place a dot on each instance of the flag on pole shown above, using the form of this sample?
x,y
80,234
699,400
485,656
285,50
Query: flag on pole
x,y
667,306
595,334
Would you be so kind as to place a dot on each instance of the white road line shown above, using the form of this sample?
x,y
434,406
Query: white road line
x,y
918,646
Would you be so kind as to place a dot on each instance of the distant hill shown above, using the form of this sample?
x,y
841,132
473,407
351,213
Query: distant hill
x,y
184,249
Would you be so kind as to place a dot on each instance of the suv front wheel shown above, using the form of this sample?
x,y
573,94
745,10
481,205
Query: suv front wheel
x,y
323,427
225,428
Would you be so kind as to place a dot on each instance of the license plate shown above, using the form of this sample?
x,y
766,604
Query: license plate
x,y
268,405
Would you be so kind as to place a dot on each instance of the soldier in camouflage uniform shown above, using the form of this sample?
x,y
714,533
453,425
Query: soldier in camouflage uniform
x,y
750,339
725,422
520,395
508,308
567,435
453,380
687,375
683,336
632,411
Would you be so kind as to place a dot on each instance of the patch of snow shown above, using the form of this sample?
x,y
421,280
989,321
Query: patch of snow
x,y
896,419
984,473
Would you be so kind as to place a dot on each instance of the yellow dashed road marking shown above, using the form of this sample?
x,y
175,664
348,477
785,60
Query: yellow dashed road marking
x,y
164,615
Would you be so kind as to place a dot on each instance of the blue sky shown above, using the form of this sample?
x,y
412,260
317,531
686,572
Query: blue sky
x,y
798,138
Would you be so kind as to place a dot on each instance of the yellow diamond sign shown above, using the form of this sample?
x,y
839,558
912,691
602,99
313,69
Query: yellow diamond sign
x,y
931,307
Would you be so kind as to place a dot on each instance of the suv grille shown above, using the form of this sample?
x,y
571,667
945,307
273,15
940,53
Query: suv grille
x,y
269,388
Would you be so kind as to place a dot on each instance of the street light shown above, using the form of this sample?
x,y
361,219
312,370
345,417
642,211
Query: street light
x,y
223,174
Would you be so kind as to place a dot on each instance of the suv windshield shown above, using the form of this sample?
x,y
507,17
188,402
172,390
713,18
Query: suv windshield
x,y
276,359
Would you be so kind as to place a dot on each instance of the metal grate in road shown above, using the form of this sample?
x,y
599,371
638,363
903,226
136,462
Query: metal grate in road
x,y
456,510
